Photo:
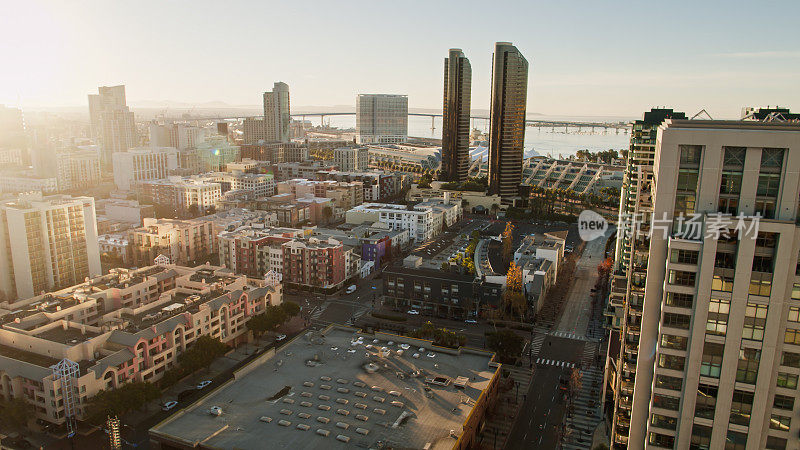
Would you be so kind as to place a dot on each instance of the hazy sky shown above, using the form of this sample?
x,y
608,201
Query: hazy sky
x,y
587,57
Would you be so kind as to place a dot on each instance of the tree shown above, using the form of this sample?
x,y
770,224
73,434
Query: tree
x,y
116,402
507,344
495,207
508,242
291,309
272,318
16,412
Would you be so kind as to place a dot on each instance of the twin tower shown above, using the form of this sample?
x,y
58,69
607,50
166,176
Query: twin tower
x,y
507,118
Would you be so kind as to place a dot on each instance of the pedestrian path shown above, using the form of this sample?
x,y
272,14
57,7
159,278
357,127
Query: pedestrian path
x,y
586,412
536,344
506,408
556,363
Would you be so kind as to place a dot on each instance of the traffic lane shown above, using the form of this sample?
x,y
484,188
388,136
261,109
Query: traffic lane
x,y
542,412
562,349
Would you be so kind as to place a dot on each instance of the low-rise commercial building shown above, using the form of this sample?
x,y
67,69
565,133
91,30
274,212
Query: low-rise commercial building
x,y
330,392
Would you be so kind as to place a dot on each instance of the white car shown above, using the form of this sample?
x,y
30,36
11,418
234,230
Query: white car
x,y
351,289
215,411
280,337
169,405
413,312
203,384
470,321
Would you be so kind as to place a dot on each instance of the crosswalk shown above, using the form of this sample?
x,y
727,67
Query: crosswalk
x,y
554,362
536,344
568,335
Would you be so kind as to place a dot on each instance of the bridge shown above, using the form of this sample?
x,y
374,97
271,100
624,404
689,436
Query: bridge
x,y
538,123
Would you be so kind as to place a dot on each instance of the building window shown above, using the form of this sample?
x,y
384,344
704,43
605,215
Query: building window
x,y
681,278
662,421
679,300
790,359
674,342
722,282
674,320
760,284
794,314
787,380
666,402
684,256
741,407
668,382
736,440
671,362
706,401
717,322
792,336
783,402
747,369
711,364
778,422
755,318
701,437
776,443
661,440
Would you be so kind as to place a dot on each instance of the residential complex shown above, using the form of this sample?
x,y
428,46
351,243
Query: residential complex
x,y
716,300
140,164
507,120
126,326
78,169
423,221
180,193
455,116
184,242
215,152
46,243
176,135
351,159
381,119
112,122
276,113
275,152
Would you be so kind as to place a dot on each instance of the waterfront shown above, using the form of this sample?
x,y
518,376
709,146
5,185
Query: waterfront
x,y
545,140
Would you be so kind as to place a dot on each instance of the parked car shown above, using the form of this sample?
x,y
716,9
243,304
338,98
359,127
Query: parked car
x,y
169,405
203,384
470,321
215,411
351,289
413,312
280,337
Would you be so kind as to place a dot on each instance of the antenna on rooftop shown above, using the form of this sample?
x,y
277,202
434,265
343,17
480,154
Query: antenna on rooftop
x,y
701,113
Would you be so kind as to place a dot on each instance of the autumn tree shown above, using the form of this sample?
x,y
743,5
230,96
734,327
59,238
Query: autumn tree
x,y
508,242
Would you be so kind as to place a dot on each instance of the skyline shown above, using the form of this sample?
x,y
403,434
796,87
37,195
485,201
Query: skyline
x,y
199,53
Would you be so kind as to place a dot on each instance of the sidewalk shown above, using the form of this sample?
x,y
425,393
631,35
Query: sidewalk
x,y
500,419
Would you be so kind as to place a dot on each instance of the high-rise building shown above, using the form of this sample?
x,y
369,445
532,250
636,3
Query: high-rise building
x,y
381,119
254,130
455,116
112,122
276,113
351,159
12,128
46,243
624,310
507,120
718,291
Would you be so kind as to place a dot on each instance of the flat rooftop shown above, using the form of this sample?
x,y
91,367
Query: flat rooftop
x,y
331,381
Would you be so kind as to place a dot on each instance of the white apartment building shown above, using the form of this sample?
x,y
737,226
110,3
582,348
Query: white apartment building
x,y
719,327
381,119
143,164
23,182
176,135
46,243
420,223
350,159
260,185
